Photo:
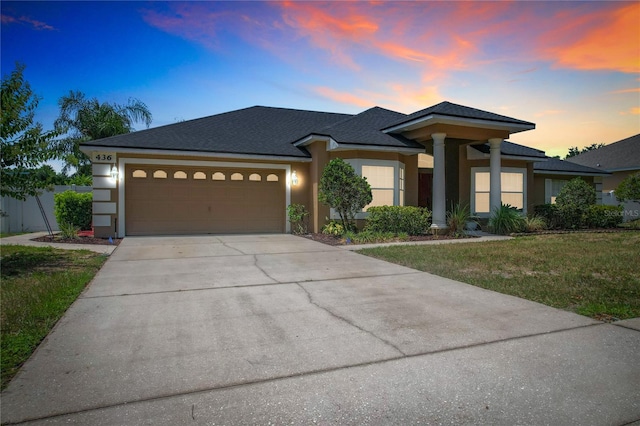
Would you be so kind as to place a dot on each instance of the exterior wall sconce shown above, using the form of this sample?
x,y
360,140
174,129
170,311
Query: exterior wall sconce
x,y
114,172
294,178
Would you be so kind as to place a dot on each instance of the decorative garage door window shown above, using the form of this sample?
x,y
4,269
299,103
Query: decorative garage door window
x,y
139,174
160,174
218,176
203,176
199,176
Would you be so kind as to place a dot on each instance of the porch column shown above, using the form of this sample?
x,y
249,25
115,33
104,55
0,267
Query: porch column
x,y
495,184
439,214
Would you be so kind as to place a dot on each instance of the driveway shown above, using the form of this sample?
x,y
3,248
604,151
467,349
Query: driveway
x,y
274,329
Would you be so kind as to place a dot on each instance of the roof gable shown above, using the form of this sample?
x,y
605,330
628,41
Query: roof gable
x,y
621,155
511,149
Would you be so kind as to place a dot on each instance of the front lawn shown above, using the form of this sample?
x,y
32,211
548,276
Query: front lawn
x,y
593,274
38,285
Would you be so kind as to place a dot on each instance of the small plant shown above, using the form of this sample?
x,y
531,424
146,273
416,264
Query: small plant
x,y
334,228
506,220
457,219
69,231
534,223
297,217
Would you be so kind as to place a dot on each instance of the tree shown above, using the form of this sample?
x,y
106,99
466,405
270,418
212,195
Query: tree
x,y
573,202
629,189
343,190
88,119
24,145
574,150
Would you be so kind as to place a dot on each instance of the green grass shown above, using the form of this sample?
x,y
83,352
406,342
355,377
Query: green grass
x,y
38,285
10,234
591,274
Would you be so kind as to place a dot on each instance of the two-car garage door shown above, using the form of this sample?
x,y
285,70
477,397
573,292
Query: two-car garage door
x,y
188,200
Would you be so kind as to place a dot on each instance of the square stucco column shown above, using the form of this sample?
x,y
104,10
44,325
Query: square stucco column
x,y
495,183
439,214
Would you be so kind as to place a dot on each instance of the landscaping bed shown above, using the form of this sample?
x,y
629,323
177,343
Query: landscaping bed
x,y
78,240
333,240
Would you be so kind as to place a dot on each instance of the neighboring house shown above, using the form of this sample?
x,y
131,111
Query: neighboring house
x,y
236,172
620,159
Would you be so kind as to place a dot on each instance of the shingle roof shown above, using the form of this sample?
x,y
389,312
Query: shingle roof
x,y
362,129
512,149
624,154
256,130
460,111
558,166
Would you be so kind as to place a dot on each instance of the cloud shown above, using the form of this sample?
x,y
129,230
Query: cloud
x,y
602,40
37,25
631,111
634,90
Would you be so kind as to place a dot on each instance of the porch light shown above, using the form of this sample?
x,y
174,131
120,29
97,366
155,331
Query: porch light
x,y
294,178
114,172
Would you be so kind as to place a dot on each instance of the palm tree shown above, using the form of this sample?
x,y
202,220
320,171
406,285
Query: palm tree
x,y
85,119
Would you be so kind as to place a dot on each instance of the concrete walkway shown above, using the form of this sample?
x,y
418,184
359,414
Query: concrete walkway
x,y
279,329
25,240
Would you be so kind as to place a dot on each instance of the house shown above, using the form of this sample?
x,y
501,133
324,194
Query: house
x,y
236,172
620,159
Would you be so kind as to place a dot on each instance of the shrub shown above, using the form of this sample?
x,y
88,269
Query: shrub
x,y
343,190
398,219
333,227
629,189
573,201
598,216
69,231
297,217
534,223
549,213
506,220
457,219
73,208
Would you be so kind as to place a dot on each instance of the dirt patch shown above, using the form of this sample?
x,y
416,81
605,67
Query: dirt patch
x,y
79,240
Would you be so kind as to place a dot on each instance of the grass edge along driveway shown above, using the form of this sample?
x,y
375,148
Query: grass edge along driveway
x,y
38,286
592,274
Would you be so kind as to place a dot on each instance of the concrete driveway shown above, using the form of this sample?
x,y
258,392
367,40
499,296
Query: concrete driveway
x,y
278,329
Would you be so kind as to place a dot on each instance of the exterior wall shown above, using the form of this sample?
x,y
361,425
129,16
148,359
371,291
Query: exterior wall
x,y
25,216
105,200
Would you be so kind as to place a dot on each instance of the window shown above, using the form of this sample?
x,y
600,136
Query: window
x,y
254,177
272,178
218,176
513,182
139,174
199,176
237,176
381,179
552,188
179,175
160,174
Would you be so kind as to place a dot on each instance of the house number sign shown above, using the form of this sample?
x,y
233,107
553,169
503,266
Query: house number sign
x,y
103,157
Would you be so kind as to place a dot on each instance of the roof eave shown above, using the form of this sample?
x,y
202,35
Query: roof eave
x,y
460,121
568,173
333,145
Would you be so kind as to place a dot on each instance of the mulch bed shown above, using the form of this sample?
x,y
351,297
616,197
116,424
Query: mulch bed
x,y
336,241
79,240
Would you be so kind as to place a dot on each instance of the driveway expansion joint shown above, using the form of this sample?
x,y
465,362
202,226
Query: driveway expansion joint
x,y
333,314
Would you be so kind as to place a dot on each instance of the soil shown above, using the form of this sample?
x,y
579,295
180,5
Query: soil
x,y
336,241
79,240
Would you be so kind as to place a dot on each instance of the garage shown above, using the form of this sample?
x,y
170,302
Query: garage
x,y
166,200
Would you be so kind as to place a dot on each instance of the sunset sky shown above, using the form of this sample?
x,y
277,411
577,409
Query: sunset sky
x,y
573,68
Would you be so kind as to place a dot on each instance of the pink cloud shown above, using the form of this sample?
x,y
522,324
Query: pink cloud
x,y
38,25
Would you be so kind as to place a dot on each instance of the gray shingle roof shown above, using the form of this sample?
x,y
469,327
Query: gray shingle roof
x,y
512,149
362,129
624,154
460,111
558,166
256,130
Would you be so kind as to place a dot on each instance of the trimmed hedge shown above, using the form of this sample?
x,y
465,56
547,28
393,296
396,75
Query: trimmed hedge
x,y
398,219
566,217
598,216
73,208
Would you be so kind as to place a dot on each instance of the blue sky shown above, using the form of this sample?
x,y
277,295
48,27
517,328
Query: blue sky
x,y
573,68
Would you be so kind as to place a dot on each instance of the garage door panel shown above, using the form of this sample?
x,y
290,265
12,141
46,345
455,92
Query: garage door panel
x,y
183,206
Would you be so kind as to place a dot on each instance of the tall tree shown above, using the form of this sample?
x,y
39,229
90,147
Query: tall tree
x,y
85,119
574,150
24,144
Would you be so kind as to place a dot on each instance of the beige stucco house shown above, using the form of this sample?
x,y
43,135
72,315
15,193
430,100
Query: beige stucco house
x,y
236,172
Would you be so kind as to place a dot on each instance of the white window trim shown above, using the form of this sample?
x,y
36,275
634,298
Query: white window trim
x,y
357,164
122,162
548,189
475,170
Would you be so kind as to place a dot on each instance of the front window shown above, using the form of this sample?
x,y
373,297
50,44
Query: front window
x,y
513,189
552,188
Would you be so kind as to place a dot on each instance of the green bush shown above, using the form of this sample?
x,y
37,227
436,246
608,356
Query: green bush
x,y
297,217
457,219
534,223
549,213
629,189
398,219
506,220
69,231
573,202
333,227
73,208
598,216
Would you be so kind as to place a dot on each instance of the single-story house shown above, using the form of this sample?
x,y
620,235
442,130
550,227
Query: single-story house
x,y
236,172
620,159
